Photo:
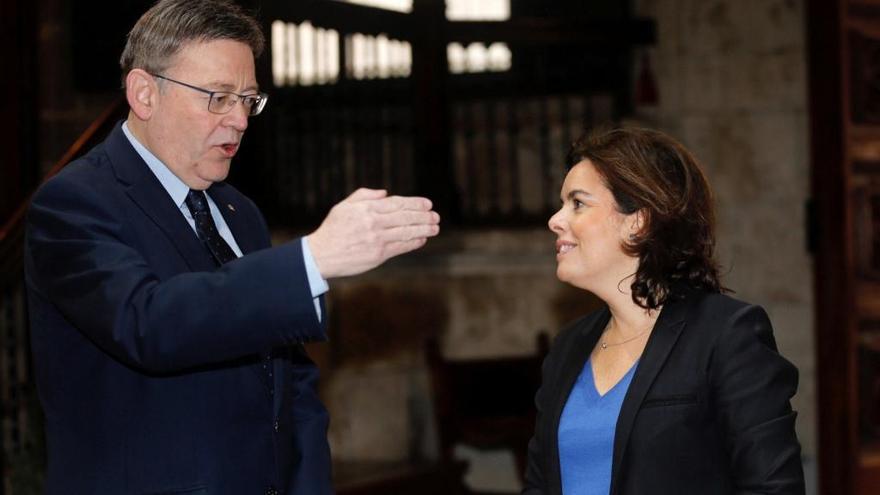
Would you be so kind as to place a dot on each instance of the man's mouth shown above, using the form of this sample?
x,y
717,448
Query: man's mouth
x,y
229,149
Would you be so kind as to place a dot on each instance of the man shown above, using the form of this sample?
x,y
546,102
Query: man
x,y
166,333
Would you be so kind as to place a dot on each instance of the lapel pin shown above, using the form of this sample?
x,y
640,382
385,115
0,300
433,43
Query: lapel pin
x,y
231,208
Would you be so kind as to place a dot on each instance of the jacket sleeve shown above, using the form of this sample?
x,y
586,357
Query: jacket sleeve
x,y
535,481
81,258
752,385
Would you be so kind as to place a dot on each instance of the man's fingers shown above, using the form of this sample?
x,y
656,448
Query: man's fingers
x,y
407,217
409,232
393,249
364,193
369,227
398,203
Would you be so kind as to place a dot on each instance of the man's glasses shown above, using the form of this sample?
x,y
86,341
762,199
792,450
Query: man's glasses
x,y
221,102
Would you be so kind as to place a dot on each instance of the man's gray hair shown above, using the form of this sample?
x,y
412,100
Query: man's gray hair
x,y
169,24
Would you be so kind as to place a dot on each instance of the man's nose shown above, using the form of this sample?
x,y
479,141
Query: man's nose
x,y
237,118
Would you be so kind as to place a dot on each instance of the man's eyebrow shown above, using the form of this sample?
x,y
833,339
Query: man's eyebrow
x,y
221,86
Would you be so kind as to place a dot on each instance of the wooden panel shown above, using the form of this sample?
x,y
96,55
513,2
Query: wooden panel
x,y
866,218
833,290
864,78
863,142
860,9
868,471
869,391
864,148
867,301
533,31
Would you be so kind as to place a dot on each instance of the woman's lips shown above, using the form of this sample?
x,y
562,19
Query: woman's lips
x,y
563,247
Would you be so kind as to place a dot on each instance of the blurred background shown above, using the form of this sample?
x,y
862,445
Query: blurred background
x,y
433,358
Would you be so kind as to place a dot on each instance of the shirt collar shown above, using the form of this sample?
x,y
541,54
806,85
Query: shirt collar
x,y
175,187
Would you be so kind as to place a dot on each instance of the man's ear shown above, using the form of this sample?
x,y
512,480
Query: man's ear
x,y
142,93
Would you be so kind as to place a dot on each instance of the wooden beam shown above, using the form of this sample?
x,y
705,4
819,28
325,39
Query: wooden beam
x,y
341,16
547,31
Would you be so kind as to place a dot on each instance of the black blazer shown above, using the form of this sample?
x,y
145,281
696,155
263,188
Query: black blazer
x,y
707,411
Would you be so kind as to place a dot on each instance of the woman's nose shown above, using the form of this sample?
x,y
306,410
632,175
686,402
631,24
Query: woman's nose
x,y
555,222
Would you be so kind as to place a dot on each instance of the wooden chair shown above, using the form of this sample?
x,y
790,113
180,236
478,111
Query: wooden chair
x,y
485,403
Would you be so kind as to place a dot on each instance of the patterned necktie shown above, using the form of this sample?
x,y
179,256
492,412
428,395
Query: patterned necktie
x,y
197,203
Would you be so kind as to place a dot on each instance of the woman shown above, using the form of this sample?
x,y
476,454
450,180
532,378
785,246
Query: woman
x,y
673,387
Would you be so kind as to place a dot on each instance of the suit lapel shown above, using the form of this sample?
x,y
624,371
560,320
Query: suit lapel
x,y
232,210
666,332
147,192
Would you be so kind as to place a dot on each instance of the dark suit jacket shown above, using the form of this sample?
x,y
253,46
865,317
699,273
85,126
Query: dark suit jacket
x,y
159,372
707,411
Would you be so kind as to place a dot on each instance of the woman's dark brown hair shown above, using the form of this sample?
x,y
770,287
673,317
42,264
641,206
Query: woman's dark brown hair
x,y
649,171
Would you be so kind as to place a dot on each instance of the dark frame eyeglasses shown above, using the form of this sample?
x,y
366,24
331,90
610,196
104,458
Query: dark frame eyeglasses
x,y
221,102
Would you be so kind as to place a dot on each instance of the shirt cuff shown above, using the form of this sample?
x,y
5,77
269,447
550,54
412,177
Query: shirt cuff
x,y
316,281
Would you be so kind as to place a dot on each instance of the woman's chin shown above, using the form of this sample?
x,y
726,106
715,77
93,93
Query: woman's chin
x,y
560,274
564,276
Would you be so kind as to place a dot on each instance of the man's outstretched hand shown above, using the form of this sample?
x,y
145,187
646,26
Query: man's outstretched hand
x,y
367,228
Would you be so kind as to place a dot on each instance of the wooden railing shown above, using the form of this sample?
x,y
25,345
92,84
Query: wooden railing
x,y
12,232
20,442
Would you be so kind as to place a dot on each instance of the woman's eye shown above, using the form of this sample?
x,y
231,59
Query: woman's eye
x,y
577,204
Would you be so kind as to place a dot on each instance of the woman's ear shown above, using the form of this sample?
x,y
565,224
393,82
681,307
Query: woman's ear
x,y
141,91
636,223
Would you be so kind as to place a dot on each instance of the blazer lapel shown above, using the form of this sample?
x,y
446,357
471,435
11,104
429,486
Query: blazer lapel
x,y
574,361
666,332
147,192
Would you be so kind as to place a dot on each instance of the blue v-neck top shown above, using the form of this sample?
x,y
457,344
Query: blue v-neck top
x,y
586,434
